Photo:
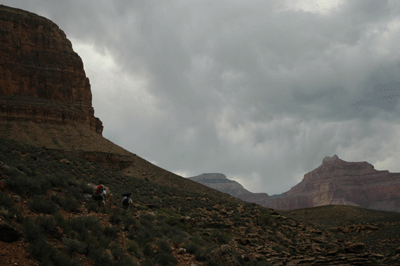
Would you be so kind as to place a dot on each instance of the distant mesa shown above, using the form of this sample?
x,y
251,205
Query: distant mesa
x,y
343,183
221,183
334,182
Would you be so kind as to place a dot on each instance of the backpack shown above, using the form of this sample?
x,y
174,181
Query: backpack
x,y
99,189
97,197
125,201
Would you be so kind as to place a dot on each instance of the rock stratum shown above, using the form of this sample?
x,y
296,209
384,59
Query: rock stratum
x,y
337,182
41,77
45,96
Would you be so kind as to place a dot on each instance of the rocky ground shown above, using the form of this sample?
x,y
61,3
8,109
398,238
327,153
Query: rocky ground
x,y
168,225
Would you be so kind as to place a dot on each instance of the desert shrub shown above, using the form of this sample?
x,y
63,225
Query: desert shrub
x,y
201,254
148,250
164,258
265,218
85,188
111,232
220,237
99,256
42,206
192,247
91,205
31,230
74,245
83,224
71,204
145,235
47,223
114,217
128,221
117,252
61,222
24,185
132,246
56,180
60,259
41,250
5,200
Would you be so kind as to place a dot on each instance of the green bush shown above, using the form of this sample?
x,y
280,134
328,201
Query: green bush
x,y
74,245
60,259
24,185
42,206
83,224
192,247
41,250
31,230
5,200
47,223
71,204
111,232
91,205
99,256
132,246
164,258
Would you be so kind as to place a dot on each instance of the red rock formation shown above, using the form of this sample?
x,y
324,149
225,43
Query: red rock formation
x,y
343,183
41,77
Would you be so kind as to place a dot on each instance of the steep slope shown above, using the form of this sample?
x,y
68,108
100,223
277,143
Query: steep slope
x,y
46,197
343,183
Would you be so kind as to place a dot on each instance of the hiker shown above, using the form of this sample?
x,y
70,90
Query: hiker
x,y
100,196
126,201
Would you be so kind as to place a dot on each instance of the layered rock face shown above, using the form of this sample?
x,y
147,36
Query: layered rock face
x,y
220,183
41,77
343,183
45,96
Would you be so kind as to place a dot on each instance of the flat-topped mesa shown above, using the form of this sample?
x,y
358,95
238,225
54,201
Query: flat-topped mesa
x,y
41,78
337,167
221,183
343,183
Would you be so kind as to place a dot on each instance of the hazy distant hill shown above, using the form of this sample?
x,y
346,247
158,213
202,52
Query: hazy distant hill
x,y
221,183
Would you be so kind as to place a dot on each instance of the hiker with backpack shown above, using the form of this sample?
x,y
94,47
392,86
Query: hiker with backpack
x,y
126,201
100,196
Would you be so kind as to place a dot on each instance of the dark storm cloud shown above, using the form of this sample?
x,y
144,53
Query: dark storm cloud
x,y
258,90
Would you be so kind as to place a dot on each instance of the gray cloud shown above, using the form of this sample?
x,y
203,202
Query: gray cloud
x,y
258,90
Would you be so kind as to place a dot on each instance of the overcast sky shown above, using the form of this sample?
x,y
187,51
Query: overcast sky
x,y
260,91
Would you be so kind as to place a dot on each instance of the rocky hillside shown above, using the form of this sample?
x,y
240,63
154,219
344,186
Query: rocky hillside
x,y
220,183
47,217
343,183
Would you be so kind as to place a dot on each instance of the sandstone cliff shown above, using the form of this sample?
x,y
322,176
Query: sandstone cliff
x,y
41,77
343,183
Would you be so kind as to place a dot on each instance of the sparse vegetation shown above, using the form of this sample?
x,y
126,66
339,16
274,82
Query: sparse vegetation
x,y
63,214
